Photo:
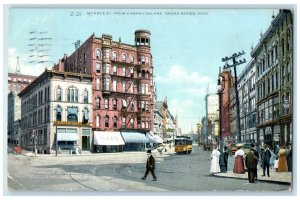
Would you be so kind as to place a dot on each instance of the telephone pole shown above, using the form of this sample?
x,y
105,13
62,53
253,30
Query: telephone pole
x,y
227,66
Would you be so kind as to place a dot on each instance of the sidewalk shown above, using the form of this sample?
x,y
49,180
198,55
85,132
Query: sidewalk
x,y
275,177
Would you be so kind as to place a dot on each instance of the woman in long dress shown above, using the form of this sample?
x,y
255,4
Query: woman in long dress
x,y
282,163
214,164
239,155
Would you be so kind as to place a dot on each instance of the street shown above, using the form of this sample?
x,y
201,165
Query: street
x,y
114,172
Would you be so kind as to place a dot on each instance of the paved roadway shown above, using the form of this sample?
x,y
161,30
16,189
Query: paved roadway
x,y
123,172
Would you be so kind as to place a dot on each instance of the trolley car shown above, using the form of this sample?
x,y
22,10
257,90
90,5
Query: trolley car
x,y
183,144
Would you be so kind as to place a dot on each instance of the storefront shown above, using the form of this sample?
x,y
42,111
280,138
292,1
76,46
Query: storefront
x,y
134,141
107,141
67,139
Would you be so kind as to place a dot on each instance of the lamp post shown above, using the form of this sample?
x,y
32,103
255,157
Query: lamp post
x,y
34,140
220,88
227,66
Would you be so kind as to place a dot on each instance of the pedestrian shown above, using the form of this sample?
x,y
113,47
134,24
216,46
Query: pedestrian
x,y
276,164
239,160
150,166
256,154
290,158
214,164
251,161
282,163
272,159
224,160
266,160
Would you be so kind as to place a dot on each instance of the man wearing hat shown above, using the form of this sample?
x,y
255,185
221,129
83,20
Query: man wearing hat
x,y
150,166
266,160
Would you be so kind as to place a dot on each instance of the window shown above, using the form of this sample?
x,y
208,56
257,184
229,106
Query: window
x,y
106,67
97,83
84,58
123,57
147,60
123,71
124,104
124,86
282,46
115,70
72,114
115,122
115,104
98,100
98,53
132,105
139,122
147,88
85,115
132,122
106,54
72,95
131,87
106,120
106,84
115,56
124,122
131,59
98,121
58,113
131,72
114,85
85,96
58,94
106,103
98,66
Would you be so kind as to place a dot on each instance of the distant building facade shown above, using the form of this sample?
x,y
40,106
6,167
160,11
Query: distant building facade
x,y
247,95
212,116
273,57
16,83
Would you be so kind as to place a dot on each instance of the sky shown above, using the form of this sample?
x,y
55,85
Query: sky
x,y
187,45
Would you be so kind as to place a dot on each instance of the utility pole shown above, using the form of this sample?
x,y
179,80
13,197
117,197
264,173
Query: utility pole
x,y
227,66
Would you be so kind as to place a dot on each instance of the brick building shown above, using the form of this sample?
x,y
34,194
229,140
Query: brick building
x,y
122,85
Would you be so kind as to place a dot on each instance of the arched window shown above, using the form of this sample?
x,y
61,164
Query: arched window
x,y
72,94
98,53
97,83
58,113
282,46
131,59
115,121
85,96
58,94
98,121
115,56
98,66
86,116
132,122
72,114
123,57
106,120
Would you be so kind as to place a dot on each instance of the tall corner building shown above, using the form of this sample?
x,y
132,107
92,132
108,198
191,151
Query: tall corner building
x,y
122,81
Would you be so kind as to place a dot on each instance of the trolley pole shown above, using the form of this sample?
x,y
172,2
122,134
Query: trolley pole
x,y
227,66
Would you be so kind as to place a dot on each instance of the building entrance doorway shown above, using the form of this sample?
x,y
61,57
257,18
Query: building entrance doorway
x,y
85,143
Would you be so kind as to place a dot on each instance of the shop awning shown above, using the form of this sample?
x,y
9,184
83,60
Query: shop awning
x,y
67,137
108,138
158,139
134,137
154,138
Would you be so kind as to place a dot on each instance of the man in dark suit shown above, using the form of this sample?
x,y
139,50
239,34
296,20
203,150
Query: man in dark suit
x,y
266,160
256,154
150,166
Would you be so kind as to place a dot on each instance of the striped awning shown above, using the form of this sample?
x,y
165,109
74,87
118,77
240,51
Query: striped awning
x,y
134,137
67,137
108,138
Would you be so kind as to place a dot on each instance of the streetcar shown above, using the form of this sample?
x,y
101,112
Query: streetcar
x,y
183,144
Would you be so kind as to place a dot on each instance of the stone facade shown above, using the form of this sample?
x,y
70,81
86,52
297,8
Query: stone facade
x,y
273,57
56,103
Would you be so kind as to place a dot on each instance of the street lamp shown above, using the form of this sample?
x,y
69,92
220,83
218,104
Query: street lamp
x,y
33,137
220,89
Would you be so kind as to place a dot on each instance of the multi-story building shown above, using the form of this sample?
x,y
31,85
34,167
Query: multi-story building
x,y
246,89
122,83
273,57
233,115
16,83
56,111
212,116
226,82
